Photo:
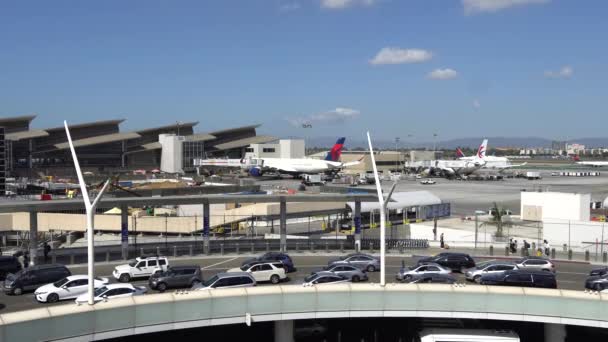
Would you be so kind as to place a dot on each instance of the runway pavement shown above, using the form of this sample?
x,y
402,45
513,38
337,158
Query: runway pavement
x,y
570,275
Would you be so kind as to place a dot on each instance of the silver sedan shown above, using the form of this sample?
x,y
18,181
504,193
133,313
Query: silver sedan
x,y
475,273
362,261
406,273
351,272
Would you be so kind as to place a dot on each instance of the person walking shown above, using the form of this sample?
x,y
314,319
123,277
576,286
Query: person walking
x,y
547,247
21,259
441,241
46,250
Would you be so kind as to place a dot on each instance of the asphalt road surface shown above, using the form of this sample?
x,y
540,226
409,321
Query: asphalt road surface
x,y
570,275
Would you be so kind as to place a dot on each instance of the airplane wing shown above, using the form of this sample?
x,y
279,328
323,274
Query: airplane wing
x,y
353,163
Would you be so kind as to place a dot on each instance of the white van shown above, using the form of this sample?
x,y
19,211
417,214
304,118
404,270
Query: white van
x,y
466,335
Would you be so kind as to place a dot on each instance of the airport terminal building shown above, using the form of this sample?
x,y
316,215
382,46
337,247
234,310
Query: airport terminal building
x,y
102,146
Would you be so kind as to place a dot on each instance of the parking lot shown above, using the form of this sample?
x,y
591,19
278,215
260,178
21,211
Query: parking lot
x,y
570,275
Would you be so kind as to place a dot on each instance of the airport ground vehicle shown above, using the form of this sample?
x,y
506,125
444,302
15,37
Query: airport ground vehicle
x,y
176,277
324,278
113,291
407,273
312,179
273,272
274,256
8,264
465,335
597,283
525,278
227,280
141,267
362,261
31,278
67,288
428,182
474,274
454,261
351,272
533,262
432,279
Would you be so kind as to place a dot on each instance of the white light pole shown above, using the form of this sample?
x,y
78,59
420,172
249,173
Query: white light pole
x,y
90,210
383,203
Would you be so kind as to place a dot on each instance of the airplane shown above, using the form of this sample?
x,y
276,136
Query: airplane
x,y
257,166
597,163
491,162
450,168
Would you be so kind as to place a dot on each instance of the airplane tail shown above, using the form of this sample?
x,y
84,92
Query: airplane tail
x,y
336,151
481,152
576,158
459,153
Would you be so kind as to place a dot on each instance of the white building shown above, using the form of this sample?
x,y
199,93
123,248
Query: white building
x,y
172,155
543,206
284,148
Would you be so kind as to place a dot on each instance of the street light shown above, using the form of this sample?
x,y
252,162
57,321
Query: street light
x,y
398,154
90,210
383,203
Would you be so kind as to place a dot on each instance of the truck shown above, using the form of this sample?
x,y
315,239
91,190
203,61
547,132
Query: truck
x,y
532,175
313,179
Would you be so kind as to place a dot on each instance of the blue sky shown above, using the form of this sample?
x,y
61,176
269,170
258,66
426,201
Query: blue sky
x,y
396,67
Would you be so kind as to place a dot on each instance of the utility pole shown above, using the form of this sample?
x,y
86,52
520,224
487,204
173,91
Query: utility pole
x,y
398,154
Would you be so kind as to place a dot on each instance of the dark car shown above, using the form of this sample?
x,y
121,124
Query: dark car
x,y
524,278
597,282
273,256
432,279
454,261
29,279
8,264
599,271
175,277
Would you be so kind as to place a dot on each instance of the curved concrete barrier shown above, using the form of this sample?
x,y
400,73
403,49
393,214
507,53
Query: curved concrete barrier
x,y
179,310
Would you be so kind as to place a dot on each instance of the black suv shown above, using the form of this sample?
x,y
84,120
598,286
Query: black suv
x,y
524,278
273,256
175,277
599,271
454,261
8,264
29,279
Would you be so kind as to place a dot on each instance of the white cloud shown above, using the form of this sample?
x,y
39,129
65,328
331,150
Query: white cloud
x,y
476,104
564,72
491,6
341,4
394,55
443,74
289,7
337,115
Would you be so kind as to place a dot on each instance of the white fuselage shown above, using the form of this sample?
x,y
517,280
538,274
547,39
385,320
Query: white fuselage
x,y
297,165
593,163
492,162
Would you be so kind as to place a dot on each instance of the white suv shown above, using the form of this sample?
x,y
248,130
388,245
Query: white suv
x,y
140,267
273,272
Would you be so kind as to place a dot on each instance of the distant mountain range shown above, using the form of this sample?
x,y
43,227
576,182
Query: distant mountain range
x,y
355,143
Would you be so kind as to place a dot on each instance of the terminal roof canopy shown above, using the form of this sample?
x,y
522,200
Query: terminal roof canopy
x,y
259,139
100,139
401,200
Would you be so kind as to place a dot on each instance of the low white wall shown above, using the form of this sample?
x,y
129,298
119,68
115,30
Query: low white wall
x,y
580,235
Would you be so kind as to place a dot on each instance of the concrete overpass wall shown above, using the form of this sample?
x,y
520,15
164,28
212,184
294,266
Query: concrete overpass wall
x,y
169,311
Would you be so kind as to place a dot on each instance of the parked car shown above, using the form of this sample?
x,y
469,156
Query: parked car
x,y
599,271
359,260
597,283
8,264
454,261
274,256
324,278
525,278
532,262
428,182
140,267
31,278
351,272
273,272
67,288
474,274
227,280
176,277
112,291
431,278
406,273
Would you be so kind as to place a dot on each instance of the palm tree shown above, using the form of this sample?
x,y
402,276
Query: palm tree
x,y
497,219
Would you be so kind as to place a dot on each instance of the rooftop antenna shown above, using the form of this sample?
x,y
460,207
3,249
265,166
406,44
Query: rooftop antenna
x,y
90,210
383,203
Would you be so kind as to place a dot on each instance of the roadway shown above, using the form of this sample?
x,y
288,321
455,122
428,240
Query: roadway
x,y
570,275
